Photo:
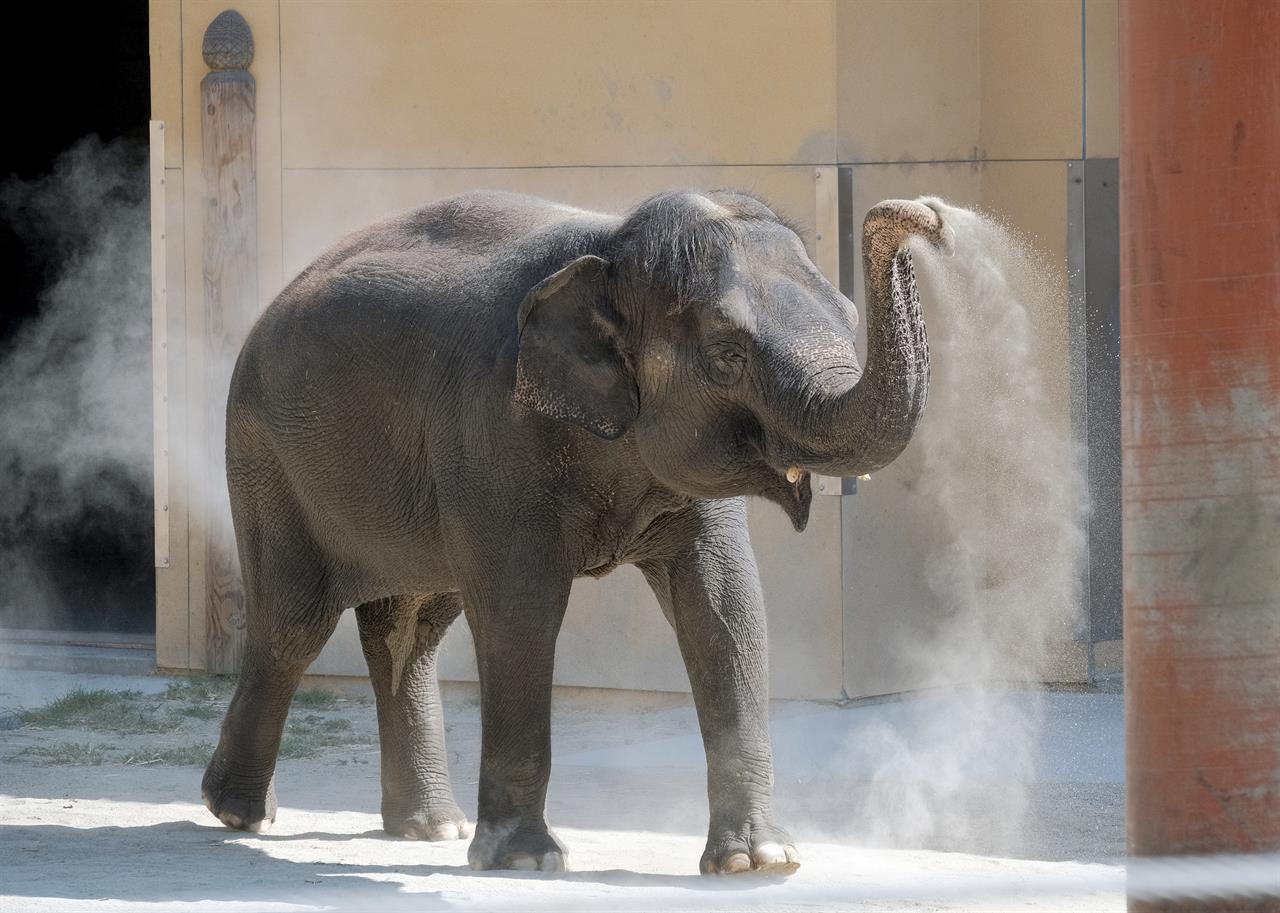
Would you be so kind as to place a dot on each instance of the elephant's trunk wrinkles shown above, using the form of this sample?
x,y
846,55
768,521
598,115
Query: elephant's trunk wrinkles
x,y
865,427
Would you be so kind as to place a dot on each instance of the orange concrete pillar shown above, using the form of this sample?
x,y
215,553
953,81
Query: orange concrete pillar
x,y
1200,349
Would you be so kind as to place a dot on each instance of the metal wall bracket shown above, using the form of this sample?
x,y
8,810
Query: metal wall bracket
x,y
834,485
828,250
1093,266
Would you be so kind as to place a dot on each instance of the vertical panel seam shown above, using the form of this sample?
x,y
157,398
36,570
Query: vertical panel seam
x,y
1084,80
182,130
835,106
844,615
280,124
182,134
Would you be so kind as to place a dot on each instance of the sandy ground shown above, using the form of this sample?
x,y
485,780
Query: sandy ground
x,y
627,797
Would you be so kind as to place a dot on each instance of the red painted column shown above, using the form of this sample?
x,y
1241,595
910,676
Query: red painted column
x,y
1200,349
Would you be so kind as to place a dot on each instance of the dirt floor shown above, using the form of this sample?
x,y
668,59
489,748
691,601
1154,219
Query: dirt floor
x,y
100,808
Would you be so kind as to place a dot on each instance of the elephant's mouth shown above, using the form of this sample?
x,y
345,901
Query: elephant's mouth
x,y
790,489
788,485
749,466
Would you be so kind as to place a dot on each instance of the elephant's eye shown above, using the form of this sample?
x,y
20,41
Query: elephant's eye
x,y
725,362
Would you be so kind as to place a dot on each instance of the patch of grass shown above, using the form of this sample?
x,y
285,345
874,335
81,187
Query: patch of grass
x,y
307,723
202,697
316,699
293,745
201,689
66,753
195,755
99,710
76,706
311,735
197,711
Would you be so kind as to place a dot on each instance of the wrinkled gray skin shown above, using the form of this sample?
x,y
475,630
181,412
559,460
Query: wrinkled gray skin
x,y
462,409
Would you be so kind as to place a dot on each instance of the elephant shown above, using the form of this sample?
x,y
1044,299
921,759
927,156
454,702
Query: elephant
x,y
461,409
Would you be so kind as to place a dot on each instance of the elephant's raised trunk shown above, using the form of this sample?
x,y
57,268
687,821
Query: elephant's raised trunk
x,y
866,427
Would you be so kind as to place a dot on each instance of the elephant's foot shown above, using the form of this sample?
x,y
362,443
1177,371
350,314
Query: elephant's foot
x,y
511,845
240,807
754,845
430,820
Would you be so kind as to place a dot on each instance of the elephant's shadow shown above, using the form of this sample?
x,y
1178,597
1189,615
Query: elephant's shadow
x,y
182,862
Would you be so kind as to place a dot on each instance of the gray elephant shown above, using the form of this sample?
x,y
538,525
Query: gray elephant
x,y
464,408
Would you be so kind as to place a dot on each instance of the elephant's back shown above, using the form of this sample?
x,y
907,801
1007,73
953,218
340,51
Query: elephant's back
x,y
451,241
407,313
467,258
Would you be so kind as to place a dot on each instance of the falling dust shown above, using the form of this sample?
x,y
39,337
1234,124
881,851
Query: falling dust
x,y
958,767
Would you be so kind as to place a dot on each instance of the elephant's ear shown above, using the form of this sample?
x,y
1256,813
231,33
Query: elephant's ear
x,y
571,365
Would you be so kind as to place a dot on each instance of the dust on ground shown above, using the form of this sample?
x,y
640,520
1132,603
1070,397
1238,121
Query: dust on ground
x,y
100,809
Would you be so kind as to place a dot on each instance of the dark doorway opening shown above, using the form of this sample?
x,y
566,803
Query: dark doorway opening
x,y
76,533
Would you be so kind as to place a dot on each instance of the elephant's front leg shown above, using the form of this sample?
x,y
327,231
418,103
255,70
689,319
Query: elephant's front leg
x,y
709,588
515,635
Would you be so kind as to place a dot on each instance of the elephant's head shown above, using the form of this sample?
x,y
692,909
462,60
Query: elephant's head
x,y
705,330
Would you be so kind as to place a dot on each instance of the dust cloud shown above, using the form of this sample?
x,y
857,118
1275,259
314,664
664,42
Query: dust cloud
x,y
75,395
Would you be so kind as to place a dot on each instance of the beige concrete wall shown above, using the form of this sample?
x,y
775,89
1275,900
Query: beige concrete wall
x,y
551,83
964,80
909,80
1102,78
366,107
1032,85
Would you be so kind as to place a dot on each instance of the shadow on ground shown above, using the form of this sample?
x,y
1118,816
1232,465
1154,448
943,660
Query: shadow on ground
x,y
210,863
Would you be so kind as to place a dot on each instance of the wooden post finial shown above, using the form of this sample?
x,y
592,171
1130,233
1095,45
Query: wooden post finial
x,y
228,102
228,42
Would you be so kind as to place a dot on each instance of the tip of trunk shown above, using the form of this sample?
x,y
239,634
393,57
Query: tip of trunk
x,y
889,224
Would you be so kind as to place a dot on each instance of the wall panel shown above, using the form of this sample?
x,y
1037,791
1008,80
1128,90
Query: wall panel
x,y
164,26
1102,78
1032,76
510,84
908,80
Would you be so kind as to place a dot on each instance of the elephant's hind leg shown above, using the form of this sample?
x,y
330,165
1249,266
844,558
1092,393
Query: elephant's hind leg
x,y
400,636
290,617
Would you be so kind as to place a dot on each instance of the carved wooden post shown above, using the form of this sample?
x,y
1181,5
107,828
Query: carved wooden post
x,y
227,103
